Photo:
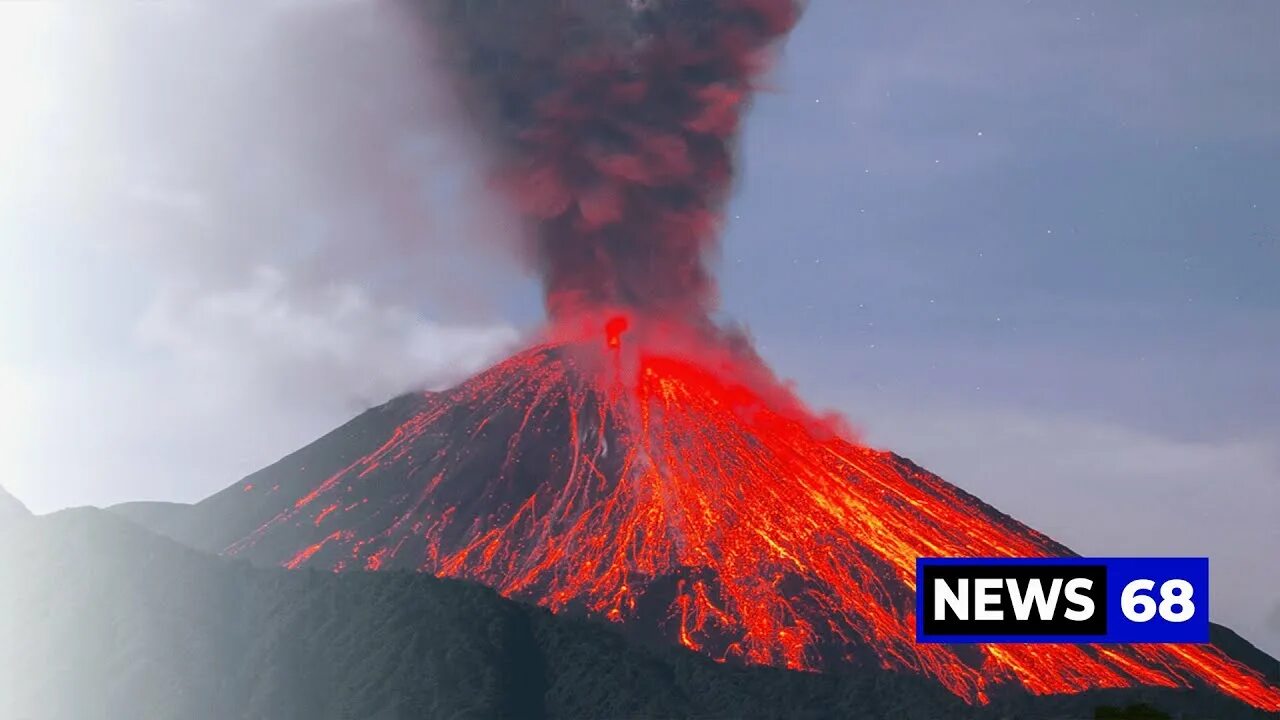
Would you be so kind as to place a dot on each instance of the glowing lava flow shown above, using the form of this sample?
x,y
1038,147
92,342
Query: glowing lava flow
x,y
694,498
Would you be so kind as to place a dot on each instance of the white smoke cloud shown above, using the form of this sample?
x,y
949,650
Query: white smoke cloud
x,y
307,337
222,231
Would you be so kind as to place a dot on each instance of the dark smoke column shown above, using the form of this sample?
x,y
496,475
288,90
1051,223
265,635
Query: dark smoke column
x,y
613,126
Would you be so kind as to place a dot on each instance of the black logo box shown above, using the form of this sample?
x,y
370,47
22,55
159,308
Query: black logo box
x,y
1095,625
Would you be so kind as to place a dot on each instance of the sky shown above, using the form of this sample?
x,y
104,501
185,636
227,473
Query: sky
x,y
1032,246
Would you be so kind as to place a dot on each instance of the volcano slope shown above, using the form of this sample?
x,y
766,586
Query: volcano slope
x,y
104,620
691,501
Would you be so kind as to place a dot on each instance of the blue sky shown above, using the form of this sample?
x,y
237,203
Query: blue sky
x,y
1035,246
1032,245
1072,206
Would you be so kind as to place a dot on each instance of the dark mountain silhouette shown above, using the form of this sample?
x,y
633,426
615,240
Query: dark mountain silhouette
x,y
104,620
743,534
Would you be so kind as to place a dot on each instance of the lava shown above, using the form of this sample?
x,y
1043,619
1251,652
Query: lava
x,y
613,330
687,494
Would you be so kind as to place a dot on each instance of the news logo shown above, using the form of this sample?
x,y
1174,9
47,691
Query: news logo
x,y
1055,600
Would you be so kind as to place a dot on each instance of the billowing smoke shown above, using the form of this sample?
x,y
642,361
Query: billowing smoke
x,y
612,128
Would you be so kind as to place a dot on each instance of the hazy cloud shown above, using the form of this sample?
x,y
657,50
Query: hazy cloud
x,y
222,232
332,342
1273,624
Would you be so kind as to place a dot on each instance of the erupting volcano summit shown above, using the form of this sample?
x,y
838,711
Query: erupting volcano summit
x,y
681,493
638,464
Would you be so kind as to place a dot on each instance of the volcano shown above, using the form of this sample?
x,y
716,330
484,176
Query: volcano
x,y
640,465
682,494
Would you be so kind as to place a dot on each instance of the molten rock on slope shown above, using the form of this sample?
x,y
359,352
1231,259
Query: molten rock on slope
x,y
692,499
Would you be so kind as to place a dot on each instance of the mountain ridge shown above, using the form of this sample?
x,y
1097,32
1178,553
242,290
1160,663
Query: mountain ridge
x,y
111,620
11,507
384,456
185,634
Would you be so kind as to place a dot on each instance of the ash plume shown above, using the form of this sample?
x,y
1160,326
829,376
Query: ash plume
x,y
612,129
